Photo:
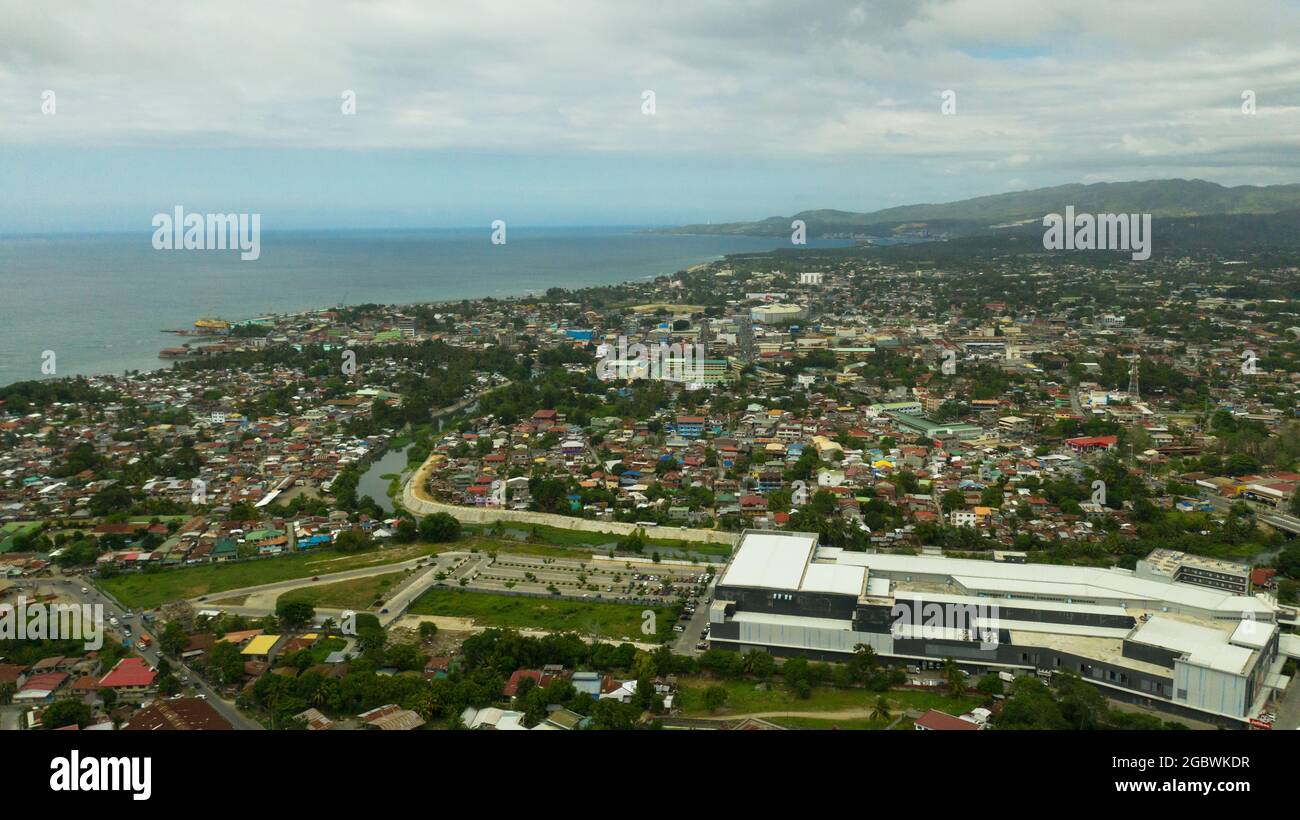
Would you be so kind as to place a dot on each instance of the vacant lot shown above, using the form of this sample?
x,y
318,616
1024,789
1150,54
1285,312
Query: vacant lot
x,y
748,697
596,618
146,590
355,593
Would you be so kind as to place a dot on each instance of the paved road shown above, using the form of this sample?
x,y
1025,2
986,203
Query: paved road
x,y
685,642
1288,711
280,587
261,599
70,588
10,718
1281,521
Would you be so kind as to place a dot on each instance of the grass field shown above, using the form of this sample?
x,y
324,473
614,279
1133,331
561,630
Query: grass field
x,y
594,541
748,696
835,723
354,593
599,618
152,589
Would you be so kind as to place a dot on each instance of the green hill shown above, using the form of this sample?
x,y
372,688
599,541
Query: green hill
x,y
1168,198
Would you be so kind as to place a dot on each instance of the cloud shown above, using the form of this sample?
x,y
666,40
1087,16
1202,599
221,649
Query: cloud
x,y
1041,87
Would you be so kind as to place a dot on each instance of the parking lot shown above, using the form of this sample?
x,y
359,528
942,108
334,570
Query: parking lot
x,y
651,585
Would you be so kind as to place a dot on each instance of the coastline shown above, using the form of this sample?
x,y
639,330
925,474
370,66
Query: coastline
x,y
157,291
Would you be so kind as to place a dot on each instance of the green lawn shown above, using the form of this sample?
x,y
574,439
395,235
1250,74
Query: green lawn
x,y
600,618
322,650
354,593
749,696
146,590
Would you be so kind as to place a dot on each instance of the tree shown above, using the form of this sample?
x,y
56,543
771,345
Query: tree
x,y
294,614
954,678
990,684
225,664
352,541
65,713
407,531
173,639
881,711
760,664
439,528
863,662
715,697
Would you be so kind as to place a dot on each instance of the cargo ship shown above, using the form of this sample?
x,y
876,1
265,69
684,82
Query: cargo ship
x,y
203,327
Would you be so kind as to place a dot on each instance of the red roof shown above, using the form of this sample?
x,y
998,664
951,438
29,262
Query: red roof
x,y
129,672
1093,441
934,719
517,677
44,683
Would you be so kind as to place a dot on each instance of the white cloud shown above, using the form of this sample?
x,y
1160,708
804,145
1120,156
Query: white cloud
x,y
1039,85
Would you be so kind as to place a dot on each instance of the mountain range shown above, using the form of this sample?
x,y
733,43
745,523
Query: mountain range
x,y
1163,198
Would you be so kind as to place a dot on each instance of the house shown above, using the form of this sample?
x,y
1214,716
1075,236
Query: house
x,y
259,648
588,682
315,719
131,679
934,720
1087,444
44,688
391,718
492,718
437,667
182,714
565,719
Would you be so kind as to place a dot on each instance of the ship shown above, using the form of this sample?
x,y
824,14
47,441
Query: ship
x,y
211,325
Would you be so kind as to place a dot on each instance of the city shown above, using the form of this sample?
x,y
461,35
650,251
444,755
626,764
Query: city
x,y
301,517
910,387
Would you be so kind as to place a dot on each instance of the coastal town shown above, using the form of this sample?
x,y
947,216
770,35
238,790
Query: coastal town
x,y
690,502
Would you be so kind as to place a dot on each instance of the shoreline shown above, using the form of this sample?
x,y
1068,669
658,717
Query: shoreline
x,y
522,295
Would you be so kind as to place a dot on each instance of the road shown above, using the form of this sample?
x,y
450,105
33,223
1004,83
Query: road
x,y
70,588
685,643
1280,521
261,598
1288,711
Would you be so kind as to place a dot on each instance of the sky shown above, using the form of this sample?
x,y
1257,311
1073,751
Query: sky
x,y
535,112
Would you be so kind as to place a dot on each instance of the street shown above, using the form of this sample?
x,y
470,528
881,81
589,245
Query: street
x,y
70,588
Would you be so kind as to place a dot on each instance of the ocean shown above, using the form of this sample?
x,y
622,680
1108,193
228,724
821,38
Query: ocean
x,y
99,302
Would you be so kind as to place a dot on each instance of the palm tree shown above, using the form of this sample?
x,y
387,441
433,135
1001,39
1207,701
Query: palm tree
x,y
881,712
955,677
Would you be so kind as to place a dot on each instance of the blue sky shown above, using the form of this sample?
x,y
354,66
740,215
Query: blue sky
x,y
533,112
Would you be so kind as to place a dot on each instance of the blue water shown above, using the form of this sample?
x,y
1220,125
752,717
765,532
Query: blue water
x,y
99,301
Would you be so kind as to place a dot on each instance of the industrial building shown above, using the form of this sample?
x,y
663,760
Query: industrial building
x,y
1205,653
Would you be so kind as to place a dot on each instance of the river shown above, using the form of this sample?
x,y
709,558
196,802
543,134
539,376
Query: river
x,y
372,482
